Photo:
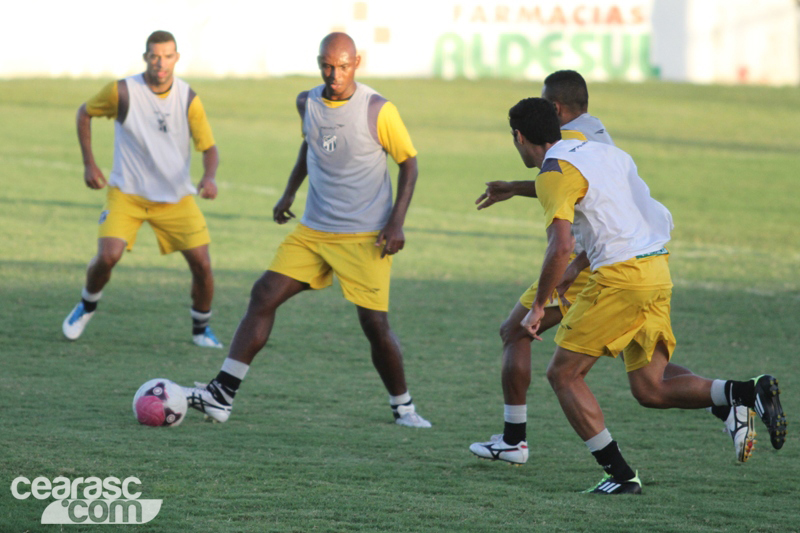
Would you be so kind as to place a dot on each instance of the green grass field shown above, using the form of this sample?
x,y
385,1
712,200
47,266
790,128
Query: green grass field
x,y
311,445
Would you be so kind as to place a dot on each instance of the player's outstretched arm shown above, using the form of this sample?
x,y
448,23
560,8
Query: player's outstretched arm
x,y
391,236
208,184
281,213
500,191
92,174
560,244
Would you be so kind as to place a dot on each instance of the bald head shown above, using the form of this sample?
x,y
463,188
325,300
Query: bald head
x,y
337,41
338,62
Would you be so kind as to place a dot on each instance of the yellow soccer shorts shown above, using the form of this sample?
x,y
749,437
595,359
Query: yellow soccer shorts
x,y
577,286
179,226
313,257
608,320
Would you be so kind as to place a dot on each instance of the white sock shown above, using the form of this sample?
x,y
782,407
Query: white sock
x,y
235,368
197,315
91,296
599,441
515,414
718,396
404,398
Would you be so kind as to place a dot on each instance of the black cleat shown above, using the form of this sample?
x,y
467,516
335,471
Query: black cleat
x,y
610,485
768,407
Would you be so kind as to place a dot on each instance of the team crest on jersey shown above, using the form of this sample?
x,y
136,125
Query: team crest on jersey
x,y
329,143
162,121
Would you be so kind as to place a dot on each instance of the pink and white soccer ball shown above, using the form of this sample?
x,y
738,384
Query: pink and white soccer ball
x,y
160,402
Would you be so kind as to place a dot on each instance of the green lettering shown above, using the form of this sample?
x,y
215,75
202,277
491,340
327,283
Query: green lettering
x,y
649,70
548,51
449,57
124,507
578,42
513,46
95,505
481,70
616,70
73,514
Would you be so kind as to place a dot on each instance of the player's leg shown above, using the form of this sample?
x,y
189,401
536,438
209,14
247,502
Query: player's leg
x,y
516,371
118,225
511,445
202,292
98,274
689,391
566,373
387,358
268,293
739,420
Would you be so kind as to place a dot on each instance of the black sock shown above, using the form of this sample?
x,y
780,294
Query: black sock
x,y
741,392
514,433
224,385
613,463
199,325
721,411
89,307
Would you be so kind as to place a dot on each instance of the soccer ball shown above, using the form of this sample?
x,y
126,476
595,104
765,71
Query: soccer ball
x,y
160,402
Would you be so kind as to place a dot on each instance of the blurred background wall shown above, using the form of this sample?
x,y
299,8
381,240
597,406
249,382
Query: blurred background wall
x,y
702,41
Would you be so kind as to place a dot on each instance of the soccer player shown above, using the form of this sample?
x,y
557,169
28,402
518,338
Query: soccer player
x,y
349,228
567,91
625,306
157,115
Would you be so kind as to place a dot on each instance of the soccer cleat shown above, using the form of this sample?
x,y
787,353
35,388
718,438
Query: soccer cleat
x,y
406,415
202,398
740,426
207,339
76,322
496,449
768,407
610,485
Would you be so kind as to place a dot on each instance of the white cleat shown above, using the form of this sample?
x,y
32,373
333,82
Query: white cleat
x,y
202,399
740,425
406,415
496,449
207,339
76,322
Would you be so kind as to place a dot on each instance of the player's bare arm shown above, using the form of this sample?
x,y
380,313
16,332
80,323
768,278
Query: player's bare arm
x,y
391,236
560,244
500,191
575,267
208,183
281,213
92,174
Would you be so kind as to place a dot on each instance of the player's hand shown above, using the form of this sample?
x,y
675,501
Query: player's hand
x,y
93,176
281,213
496,191
532,321
207,188
393,237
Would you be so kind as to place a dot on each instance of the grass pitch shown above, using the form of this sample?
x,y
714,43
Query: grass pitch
x,y
311,445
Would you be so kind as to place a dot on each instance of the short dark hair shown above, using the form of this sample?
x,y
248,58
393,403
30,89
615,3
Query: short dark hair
x,y
536,119
160,36
568,88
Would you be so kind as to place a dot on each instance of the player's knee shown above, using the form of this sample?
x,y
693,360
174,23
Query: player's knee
x,y
511,331
375,325
648,397
108,258
556,376
262,297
